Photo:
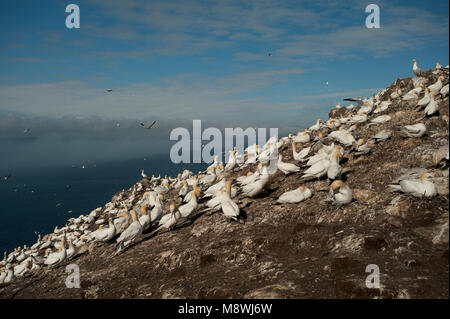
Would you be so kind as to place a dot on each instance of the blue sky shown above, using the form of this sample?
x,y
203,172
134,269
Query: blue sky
x,y
183,60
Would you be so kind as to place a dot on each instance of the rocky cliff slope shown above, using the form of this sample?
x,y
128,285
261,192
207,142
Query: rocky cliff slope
x,y
312,249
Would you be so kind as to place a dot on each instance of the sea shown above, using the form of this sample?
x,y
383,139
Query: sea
x,y
34,201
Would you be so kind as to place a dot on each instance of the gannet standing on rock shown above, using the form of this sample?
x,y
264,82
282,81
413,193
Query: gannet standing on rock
x,y
432,107
416,69
131,234
143,174
229,207
105,235
343,196
57,257
295,196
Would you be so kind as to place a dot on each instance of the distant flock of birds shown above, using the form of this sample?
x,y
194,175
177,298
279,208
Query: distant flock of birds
x,y
129,217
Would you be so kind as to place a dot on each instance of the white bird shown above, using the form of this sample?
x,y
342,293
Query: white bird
x,y
334,169
229,207
105,235
299,156
416,130
144,219
208,179
396,94
295,196
444,90
187,209
425,100
9,274
169,220
57,257
422,187
143,174
343,195
302,137
383,106
231,164
382,136
342,136
286,168
380,119
416,69
316,126
410,96
433,106
132,233
318,169
436,87
255,188
361,147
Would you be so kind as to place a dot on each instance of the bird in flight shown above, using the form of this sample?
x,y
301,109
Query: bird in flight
x,y
6,177
147,127
269,54
326,83
25,131
108,90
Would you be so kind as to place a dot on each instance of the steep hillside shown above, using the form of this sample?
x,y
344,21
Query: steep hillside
x,y
308,250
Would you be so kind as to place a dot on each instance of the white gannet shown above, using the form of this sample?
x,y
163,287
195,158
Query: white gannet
x,y
105,235
433,106
286,168
396,94
416,69
295,196
157,210
144,219
231,164
436,87
422,187
143,174
361,147
57,257
132,233
380,119
302,137
2,275
438,68
71,250
169,220
383,106
359,118
121,223
318,169
444,90
316,126
342,136
229,207
425,100
416,130
343,195
9,274
187,209
382,136
410,96
208,179
299,156
184,189
255,188
334,169
162,189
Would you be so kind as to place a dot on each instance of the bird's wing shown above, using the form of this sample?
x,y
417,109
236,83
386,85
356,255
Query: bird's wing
x,y
360,102
151,125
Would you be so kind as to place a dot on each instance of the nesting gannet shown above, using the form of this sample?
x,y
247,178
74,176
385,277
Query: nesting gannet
x,y
342,136
187,209
255,188
302,137
2,275
436,87
381,136
433,106
396,94
209,179
383,106
299,156
162,189
316,126
422,187
380,119
131,234
229,207
121,223
361,147
105,235
144,219
343,195
184,189
416,69
295,196
169,220
286,168
9,274
57,257
318,169
416,130
410,96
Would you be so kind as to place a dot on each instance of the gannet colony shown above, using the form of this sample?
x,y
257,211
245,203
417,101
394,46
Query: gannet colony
x,y
367,187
